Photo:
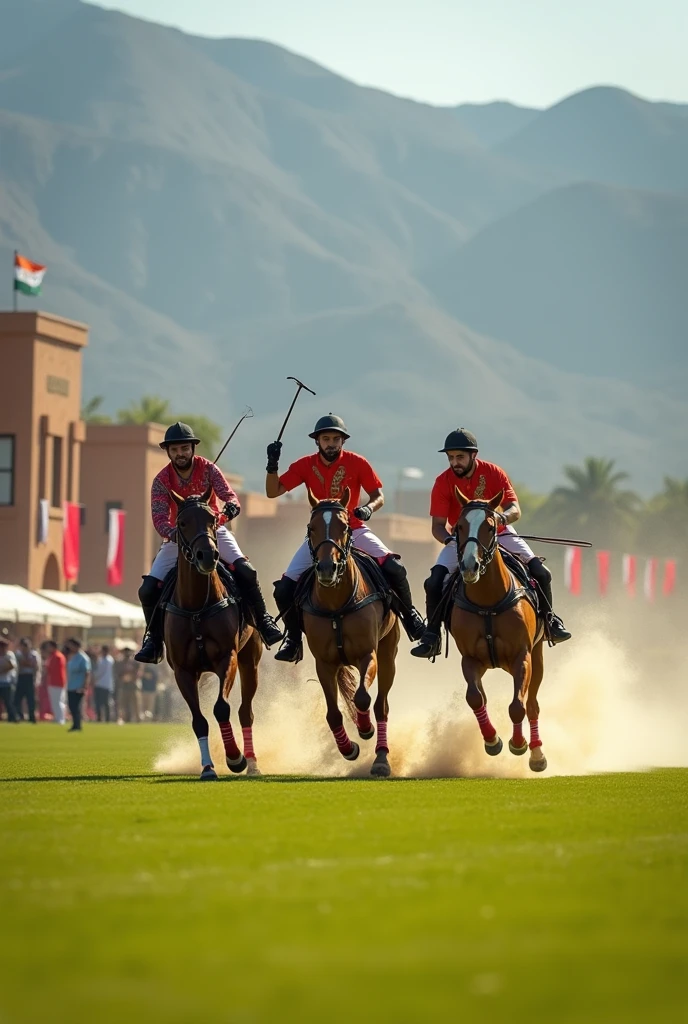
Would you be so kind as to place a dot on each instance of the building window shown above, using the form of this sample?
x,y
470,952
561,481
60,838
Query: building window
x,y
6,470
56,498
108,506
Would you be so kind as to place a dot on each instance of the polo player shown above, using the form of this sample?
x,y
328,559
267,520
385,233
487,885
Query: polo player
x,y
189,474
481,481
328,472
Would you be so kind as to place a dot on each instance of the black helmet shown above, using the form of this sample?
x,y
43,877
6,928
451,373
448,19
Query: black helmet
x,y
179,433
460,440
330,422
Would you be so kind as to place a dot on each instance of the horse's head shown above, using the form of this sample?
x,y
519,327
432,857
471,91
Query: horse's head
x,y
197,531
476,535
329,538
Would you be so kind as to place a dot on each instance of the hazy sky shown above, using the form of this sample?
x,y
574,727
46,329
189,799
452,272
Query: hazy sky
x,y
450,51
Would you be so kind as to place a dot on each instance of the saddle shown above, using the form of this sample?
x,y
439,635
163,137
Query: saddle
x,y
232,596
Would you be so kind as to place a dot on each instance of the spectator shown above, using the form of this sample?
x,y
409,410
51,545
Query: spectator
x,y
149,686
28,668
127,687
78,678
55,676
8,678
103,683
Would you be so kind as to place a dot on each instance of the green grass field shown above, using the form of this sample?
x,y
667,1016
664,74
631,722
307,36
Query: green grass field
x,y
130,896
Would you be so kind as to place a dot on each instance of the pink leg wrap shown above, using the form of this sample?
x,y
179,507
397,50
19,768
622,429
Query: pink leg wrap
x,y
247,732
486,727
381,737
231,749
535,740
363,721
517,738
342,740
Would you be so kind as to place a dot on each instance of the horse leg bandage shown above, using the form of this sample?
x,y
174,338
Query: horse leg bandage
x,y
381,737
486,727
363,722
206,759
517,738
247,733
343,742
535,740
231,749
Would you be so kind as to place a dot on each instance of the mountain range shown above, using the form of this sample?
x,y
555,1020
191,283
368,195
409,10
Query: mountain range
x,y
224,213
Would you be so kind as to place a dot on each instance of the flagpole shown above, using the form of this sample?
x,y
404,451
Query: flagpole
x,y
14,281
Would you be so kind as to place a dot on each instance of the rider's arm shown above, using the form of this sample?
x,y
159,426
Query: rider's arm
x,y
273,487
276,485
160,509
511,514
376,499
222,488
439,529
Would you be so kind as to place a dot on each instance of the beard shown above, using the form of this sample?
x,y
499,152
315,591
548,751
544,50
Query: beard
x,y
183,462
464,471
330,454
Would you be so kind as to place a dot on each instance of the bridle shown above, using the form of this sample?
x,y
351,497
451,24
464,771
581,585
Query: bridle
x,y
187,546
487,552
344,550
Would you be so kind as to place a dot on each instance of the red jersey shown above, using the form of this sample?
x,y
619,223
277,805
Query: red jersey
x,y
485,482
329,481
56,670
203,473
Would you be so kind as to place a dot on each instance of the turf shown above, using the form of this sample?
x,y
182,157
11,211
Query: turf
x,y
126,896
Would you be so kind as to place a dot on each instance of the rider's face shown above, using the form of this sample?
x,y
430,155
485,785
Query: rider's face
x,y
330,445
181,455
461,462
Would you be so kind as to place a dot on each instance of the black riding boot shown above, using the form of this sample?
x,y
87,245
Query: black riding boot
x,y
152,648
431,641
249,587
556,630
412,621
292,645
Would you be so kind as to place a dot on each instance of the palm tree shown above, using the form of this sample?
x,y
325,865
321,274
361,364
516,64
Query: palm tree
x,y
149,409
90,414
664,525
594,502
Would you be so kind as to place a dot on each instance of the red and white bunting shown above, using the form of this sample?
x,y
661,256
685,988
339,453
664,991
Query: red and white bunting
x,y
650,579
603,561
573,558
669,580
628,570
115,553
71,538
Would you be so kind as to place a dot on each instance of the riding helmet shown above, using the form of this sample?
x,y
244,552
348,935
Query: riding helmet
x,y
460,440
330,422
179,433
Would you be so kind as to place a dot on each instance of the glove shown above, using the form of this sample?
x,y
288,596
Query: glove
x,y
274,451
231,509
363,512
501,519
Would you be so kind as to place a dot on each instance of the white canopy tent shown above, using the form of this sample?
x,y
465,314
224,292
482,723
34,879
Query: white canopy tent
x,y
104,610
20,605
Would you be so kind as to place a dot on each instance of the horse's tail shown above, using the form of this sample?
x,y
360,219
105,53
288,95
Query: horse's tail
x,y
347,682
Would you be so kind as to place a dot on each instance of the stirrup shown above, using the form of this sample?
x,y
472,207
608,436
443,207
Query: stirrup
x,y
429,647
557,632
270,633
152,650
291,650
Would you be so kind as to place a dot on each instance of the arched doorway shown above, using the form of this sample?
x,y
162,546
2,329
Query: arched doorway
x,y
51,574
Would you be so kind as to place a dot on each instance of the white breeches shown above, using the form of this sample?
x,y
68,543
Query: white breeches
x,y
363,538
509,540
166,557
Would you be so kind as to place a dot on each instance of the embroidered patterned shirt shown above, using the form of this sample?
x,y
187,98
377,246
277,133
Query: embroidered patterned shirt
x,y
485,481
330,481
203,473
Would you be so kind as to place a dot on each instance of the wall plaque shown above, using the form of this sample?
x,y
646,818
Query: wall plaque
x,y
58,386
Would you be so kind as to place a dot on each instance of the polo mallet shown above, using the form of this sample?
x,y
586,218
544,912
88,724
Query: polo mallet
x,y
248,413
557,540
301,387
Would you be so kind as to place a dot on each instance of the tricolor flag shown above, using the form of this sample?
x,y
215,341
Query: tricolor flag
x,y
650,579
28,276
628,574
573,560
71,540
603,572
115,553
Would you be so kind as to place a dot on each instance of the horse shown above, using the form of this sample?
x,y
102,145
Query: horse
x,y
203,633
495,625
351,631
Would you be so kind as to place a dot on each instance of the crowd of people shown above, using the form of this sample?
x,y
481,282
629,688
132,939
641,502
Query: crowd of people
x,y
68,682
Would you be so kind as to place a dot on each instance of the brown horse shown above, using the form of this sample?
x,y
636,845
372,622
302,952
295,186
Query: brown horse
x,y
350,631
496,626
202,627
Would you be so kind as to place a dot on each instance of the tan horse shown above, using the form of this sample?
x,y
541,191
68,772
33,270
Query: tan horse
x,y
202,635
496,627
351,634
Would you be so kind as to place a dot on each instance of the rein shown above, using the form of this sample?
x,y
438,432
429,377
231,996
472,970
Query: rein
x,y
187,549
487,551
344,550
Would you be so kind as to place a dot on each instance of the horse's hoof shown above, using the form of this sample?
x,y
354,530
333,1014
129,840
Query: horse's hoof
x,y
208,774
367,735
518,750
362,699
355,751
539,765
252,766
381,769
494,748
237,766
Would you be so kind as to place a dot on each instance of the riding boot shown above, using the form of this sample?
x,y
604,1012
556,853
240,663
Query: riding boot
x,y
556,630
249,587
412,621
431,640
292,645
153,647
